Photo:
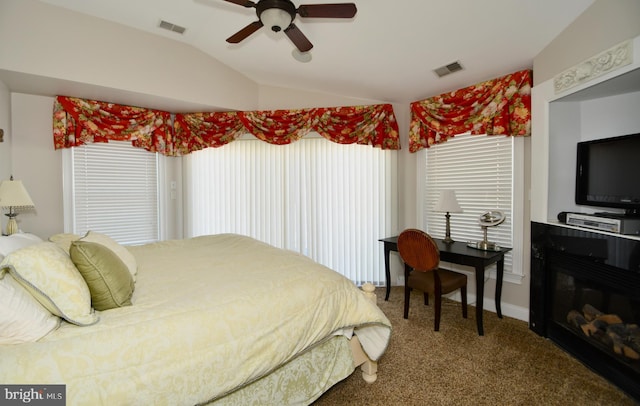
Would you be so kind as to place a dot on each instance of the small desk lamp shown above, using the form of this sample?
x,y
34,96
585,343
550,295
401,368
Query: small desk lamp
x,y
14,196
448,203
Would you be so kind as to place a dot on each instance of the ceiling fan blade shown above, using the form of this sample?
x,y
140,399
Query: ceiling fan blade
x,y
298,38
245,32
245,3
341,10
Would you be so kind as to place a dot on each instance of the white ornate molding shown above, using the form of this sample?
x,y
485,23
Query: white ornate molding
x,y
607,61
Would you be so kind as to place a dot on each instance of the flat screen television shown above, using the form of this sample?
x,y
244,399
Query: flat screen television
x,y
608,173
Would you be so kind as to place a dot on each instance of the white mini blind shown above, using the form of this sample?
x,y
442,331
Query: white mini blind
x,y
328,201
479,169
115,192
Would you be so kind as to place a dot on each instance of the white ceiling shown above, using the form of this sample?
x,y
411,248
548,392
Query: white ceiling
x,y
387,52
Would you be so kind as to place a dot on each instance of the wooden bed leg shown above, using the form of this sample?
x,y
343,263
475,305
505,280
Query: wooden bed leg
x,y
369,371
370,292
369,368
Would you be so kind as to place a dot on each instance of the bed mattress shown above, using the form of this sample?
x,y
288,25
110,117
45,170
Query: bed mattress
x,y
210,314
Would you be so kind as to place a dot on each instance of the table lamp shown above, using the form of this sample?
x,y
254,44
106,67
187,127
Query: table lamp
x,y
14,196
448,203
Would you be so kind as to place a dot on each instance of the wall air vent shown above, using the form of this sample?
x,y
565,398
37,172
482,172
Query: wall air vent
x,y
447,69
171,27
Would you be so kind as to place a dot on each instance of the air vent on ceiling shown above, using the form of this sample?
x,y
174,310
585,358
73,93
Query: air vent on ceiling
x,y
171,27
447,69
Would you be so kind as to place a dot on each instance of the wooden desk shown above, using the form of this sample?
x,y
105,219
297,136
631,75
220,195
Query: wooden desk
x,y
459,253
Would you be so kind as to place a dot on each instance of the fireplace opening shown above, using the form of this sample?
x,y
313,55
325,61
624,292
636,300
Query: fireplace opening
x,y
585,296
608,331
586,304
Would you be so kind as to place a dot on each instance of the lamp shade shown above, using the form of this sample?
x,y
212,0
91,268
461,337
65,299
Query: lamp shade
x,y
448,202
276,19
14,196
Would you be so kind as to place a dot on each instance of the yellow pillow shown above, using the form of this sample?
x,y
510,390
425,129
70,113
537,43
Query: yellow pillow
x,y
47,272
108,278
64,240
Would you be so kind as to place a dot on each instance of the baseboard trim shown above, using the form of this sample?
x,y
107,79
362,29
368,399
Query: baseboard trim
x,y
508,309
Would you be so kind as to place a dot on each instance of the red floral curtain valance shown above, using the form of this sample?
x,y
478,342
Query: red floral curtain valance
x,y
496,107
368,125
78,121
196,131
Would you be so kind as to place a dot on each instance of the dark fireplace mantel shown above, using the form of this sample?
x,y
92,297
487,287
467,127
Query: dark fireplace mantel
x,y
585,297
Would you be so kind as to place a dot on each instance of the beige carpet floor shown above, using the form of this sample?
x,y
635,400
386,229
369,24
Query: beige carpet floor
x,y
509,365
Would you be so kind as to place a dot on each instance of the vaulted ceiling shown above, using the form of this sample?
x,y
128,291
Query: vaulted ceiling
x,y
387,52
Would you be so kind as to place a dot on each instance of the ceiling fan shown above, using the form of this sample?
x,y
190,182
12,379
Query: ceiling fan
x,y
278,15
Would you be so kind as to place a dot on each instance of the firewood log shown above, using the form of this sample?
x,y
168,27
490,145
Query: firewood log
x,y
596,328
591,313
576,319
629,336
620,347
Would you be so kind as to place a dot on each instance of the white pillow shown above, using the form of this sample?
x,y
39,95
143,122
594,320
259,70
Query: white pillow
x,y
13,242
122,253
22,318
48,273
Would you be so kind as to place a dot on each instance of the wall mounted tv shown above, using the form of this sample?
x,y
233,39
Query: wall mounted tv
x,y
608,173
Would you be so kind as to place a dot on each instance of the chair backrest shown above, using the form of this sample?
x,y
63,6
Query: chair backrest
x,y
418,250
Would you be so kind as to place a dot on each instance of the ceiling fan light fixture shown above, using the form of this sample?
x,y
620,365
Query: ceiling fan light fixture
x,y
301,56
276,19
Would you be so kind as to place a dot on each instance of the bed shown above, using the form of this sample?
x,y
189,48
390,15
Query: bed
x,y
221,319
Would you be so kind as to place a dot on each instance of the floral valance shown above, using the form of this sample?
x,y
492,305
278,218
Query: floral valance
x,y
368,125
79,121
496,107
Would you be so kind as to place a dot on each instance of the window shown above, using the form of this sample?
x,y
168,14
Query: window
x,y
112,188
481,170
328,201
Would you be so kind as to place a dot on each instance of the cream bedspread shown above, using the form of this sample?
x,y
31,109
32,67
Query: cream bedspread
x,y
209,314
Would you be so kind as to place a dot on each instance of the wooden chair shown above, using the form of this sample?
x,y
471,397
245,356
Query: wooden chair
x,y
421,257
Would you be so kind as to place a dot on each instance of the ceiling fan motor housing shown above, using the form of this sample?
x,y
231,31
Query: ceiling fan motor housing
x,y
275,5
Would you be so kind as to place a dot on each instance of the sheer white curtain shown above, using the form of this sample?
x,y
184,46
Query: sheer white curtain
x,y
328,201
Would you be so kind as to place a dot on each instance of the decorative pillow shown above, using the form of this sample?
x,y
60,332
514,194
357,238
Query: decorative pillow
x,y
108,278
123,253
47,272
64,240
13,242
22,318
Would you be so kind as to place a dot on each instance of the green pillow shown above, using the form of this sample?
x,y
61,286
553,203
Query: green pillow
x,y
110,282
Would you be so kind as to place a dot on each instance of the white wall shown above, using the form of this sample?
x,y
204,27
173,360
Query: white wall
x,y
563,136
603,25
5,124
36,163
610,116
124,65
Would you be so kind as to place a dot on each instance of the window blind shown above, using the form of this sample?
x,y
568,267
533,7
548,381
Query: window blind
x,y
328,201
480,170
115,192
